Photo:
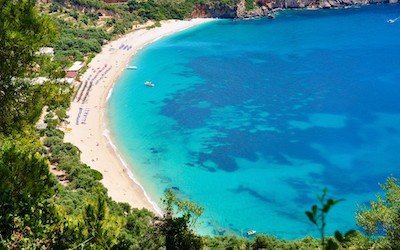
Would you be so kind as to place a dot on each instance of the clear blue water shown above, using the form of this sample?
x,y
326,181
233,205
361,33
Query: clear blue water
x,y
252,119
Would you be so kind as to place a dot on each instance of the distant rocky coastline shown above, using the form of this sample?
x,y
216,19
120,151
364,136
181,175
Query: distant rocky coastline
x,y
267,8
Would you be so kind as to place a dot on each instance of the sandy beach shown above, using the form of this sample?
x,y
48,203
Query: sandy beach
x,y
88,125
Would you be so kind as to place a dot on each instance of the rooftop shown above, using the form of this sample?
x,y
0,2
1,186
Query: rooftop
x,y
76,66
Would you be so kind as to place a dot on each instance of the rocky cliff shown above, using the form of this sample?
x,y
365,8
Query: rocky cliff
x,y
215,12
268,7
289,4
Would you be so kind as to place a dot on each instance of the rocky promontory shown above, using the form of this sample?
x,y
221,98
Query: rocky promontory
x,y
260,8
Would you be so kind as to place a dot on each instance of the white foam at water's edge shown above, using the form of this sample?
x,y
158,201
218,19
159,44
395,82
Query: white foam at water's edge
x,y
109,94
156,39
106,134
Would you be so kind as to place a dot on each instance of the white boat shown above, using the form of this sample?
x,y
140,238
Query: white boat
x,y
131,67
251,232
393,20
150,84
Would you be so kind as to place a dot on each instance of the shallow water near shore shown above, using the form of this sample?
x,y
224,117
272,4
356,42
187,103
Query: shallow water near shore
x,y
251,119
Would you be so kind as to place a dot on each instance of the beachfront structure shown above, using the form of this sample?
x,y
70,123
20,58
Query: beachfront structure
x,y
48,51
70,77
38,80
73,71
41,80
70,81
71,74
76,67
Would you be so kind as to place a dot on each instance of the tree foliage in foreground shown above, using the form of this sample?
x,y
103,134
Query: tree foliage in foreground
x,y
95,227
22,33
26,186
317,215
382,217
178,223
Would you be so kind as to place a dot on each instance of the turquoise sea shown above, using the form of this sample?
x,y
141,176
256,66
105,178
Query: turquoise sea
x,y
252,119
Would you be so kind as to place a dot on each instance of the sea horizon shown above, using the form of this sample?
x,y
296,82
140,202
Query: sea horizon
x,y
258,125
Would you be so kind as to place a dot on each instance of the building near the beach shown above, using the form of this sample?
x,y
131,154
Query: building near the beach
x,y
48,51
76,67
71,74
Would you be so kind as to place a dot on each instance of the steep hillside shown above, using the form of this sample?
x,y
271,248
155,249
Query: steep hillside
x,y
259,8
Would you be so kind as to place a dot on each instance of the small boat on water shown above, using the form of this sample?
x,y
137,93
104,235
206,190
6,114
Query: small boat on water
x,y
131,67
150,84
251,232
393,20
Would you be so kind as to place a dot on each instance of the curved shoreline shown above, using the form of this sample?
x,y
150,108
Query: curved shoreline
x,y
90,132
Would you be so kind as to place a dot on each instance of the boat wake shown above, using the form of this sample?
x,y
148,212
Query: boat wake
x,y
393,20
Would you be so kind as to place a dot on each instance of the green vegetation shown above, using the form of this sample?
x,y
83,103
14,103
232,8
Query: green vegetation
x,y
178,230
160,10
382,217
22,33
26,184
72,209
249,4
317,216
76,44
85,25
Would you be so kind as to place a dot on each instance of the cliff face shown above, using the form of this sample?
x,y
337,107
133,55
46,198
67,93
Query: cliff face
x,y
268,7
288,4
214,12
